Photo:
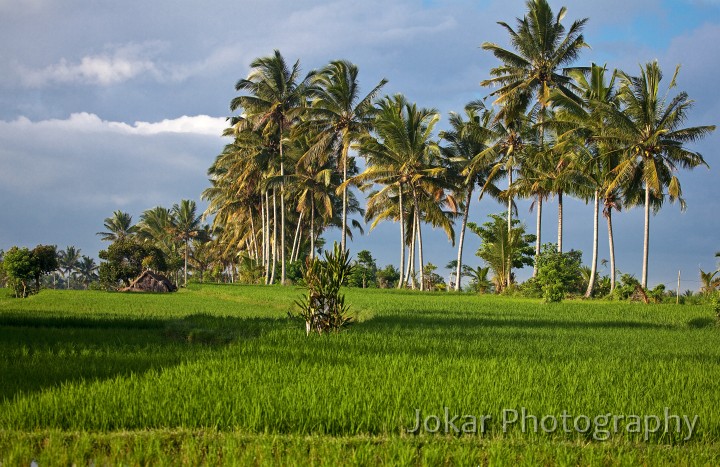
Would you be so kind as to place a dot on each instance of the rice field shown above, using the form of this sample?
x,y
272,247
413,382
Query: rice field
x,y
219,374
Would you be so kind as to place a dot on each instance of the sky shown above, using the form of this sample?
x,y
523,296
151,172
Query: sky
x,y
110,105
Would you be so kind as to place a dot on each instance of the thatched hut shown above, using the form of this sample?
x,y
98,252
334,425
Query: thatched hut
x,y
150,282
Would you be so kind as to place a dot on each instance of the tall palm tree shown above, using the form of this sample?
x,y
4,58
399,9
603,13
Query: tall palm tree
x,y
650,129
542,48
275,96
118,226
340,117
68,259
585,117
467,139
511,137
186,226
404,158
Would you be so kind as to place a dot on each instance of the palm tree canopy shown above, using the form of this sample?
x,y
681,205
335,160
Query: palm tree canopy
x,y
650,130
118,226
542,46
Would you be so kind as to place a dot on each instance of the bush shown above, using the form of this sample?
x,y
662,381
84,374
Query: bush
x,y
323,307
24,268
558,273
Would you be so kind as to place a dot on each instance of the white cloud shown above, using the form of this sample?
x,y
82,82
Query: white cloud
x,y
113,67
89,122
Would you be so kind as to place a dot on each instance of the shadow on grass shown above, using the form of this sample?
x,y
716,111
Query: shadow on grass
x,y
432,320
41,352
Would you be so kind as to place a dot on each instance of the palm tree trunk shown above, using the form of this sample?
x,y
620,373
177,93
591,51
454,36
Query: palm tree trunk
x,y
611,242
312,228
560,221
274,240
538,230
253,238
296,239
509,228
420,245
282,212
344,195
186,261
266,247
593,265
458,272
411,263
402,238
646,237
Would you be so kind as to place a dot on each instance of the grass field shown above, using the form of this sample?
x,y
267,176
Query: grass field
x,y
220,374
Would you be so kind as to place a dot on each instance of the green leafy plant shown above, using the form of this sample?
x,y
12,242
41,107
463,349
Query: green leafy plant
x,y
323,307
558,273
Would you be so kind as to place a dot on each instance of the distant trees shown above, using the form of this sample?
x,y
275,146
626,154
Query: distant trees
x,y
23,268
125,259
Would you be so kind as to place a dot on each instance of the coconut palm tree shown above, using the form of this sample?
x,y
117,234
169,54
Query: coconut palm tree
x,y
650,130
466,139
87,268
186,226
511,136
340,117
275,97
68,259
584,115
118,226
542,48
709,282
404,158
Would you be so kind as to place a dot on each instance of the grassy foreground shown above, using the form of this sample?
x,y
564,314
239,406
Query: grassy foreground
x,y
219,374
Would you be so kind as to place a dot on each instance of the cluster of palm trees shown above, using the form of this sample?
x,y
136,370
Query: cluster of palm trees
x,y
177,232
73,266
554,130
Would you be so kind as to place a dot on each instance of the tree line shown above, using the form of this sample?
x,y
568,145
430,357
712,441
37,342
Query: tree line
x,y
551,129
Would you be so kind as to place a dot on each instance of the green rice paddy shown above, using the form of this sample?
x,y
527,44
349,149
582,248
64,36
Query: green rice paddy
x,y
219,374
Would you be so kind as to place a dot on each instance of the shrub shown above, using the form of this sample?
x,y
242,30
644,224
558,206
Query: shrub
x,y
323,307
558,273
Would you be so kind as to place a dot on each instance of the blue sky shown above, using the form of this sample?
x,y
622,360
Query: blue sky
x,y
118,105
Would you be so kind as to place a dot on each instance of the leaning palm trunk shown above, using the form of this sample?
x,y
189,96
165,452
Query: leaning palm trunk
x,y
296,239
560,221
593,265
344,197
411,263
646,237
458,272
538,228
402,239
420,243
611,242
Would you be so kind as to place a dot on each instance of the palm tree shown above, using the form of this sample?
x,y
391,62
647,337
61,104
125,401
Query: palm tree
x,y
542,47
708,282
340,117
186,226
585,114
274,100
117,227
68,259
650,129
511,137
87,268
404,158
467,139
